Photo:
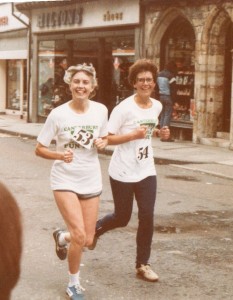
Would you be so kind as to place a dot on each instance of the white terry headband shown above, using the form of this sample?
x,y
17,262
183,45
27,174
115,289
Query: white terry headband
x,y
69,73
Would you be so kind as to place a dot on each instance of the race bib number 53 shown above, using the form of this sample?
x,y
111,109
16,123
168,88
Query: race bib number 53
x,y
83,138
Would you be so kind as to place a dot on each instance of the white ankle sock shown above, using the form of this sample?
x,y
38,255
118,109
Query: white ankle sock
x,y
62,241
74,279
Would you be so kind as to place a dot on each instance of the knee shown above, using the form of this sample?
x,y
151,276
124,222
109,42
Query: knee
x,y
122,222
78,238
89,241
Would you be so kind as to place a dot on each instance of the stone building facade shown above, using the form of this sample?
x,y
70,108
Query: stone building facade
x,y
208,26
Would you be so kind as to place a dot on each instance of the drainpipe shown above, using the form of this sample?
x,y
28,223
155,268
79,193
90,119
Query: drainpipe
x,y
28,58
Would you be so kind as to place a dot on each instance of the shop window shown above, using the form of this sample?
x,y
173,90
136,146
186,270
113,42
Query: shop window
x,y
178,45
52,65
123,56
16,85
110,56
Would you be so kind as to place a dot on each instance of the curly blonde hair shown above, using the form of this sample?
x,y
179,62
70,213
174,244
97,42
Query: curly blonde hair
x,y
87,69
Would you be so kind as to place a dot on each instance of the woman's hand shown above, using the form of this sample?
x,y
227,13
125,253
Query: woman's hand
x,y
156,132
68,156
164,133
140,132
101,143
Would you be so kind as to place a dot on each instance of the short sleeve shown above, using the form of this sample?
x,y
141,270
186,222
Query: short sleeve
x,y
104,129
115,120
49,131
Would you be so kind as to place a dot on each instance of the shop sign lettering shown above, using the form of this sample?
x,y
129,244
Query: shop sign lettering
x,y
3,21
60,18
109,16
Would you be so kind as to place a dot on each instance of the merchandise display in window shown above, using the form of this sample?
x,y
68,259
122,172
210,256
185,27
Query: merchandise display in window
x,y
184,96
52,65
120,77
111,58
179,46
123,56
16,85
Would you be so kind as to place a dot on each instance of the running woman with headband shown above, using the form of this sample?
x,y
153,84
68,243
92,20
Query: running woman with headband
x,y
80,129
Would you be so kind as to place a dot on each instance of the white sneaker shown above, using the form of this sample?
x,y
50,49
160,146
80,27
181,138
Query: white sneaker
x,y
60,250
146,273
75,292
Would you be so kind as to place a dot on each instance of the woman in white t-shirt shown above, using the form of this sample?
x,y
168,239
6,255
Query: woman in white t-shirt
x,y
131,126
80,129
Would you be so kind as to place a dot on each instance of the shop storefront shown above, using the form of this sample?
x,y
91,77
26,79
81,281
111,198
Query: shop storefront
x,y
198,37
97,32
13,63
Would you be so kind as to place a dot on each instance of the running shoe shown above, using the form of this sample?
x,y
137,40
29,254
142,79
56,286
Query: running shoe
x,y
61,251
75,292
145,272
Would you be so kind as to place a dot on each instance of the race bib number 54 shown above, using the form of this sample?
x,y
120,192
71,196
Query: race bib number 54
x,y
142,153
83,138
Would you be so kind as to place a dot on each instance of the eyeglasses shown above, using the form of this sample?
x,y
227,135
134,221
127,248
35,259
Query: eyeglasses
x,y
143,80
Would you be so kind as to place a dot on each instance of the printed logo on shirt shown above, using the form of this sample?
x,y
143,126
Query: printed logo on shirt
x,y
72,129
150,124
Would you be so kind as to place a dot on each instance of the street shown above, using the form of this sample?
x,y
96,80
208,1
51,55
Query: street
x,y
192,249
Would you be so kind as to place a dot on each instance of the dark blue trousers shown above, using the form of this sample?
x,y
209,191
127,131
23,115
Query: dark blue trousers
x,y
144,192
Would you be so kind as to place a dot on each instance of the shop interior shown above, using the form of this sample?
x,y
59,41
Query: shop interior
x,y
111,57
16,85
178,45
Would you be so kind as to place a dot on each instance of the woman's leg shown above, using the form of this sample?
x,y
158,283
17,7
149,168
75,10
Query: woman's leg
x,y
71,211
90,208
123,204
145,194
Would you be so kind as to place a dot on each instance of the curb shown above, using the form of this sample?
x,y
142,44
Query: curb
x,y
18,134
157,160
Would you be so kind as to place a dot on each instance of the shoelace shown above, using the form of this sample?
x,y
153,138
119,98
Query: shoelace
x,y
147,269
79,289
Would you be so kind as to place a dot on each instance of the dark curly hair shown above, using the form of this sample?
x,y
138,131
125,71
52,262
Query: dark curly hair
x,y
10,242
141,65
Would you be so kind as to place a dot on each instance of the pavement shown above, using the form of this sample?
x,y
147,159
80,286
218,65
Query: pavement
x,y
216,161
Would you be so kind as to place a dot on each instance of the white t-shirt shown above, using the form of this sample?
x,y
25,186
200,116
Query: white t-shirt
x,y
83,174
133,161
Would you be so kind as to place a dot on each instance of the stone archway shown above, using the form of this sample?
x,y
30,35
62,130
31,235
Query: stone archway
x,y
159,27
172,38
